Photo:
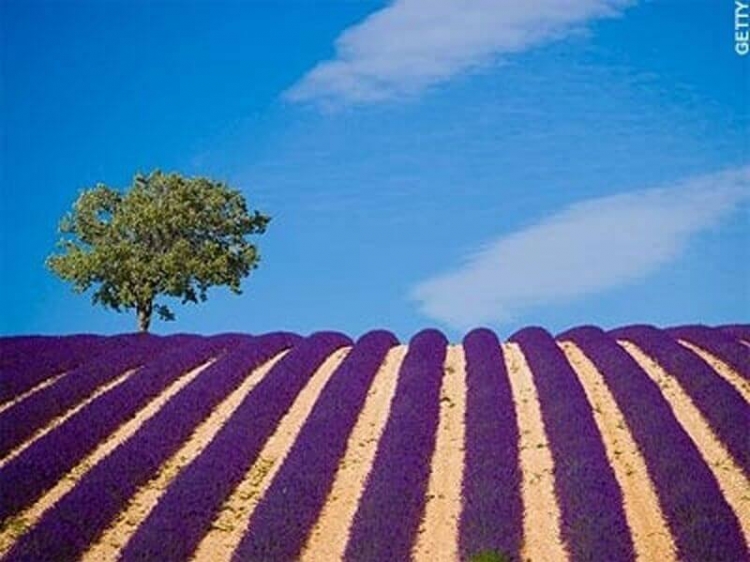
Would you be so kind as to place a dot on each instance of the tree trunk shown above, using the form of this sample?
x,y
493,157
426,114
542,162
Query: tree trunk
x,y
144,318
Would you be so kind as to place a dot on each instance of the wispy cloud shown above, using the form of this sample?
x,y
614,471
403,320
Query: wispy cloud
x,y
587,248
413,44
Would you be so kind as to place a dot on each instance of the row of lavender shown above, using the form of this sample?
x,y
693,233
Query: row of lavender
x,y
701,522
66,530
387,519
29,475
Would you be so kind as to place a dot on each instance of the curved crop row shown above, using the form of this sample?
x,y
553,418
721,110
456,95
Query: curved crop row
x,y
702,523
22,420
721,404
29,361
717,343
15,350
593,519
589,446
73,523
492,514
393,500
283,519
182,517
28,476
737,331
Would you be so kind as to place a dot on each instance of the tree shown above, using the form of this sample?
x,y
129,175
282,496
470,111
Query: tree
x,y
169,235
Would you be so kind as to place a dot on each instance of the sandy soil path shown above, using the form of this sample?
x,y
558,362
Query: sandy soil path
x,y
227,530
328,539
651,537
722,369
41,386
438,533
732,481
29,517
541,522
143,502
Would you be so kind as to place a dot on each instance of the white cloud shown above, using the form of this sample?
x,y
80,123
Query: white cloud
x,y
586,248
413,44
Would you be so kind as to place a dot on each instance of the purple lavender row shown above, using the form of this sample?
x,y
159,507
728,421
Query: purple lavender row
x,y
22,420
719,344
591,503
386,522
19,349
720,403
737,331
14,347
703,525
75,522
492,516
45,357
184,514
283,519
25,478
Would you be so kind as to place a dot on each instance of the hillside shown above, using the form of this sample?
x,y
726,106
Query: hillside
x,y
589,445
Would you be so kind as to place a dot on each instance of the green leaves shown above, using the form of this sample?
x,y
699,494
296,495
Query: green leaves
x,y
489,556
168,235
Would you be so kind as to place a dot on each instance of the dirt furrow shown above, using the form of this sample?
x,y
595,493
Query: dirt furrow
x,y
26,519
232,522
732,482
438,533
541,523
722,369
328,539
108,546
651,537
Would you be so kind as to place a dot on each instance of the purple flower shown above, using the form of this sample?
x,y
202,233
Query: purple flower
x,y
66,530
185,512
591,504
721,403
492,516
284,517
703,525
393,500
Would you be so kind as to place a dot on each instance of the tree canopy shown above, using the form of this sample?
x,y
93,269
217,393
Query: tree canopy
x,y
167,235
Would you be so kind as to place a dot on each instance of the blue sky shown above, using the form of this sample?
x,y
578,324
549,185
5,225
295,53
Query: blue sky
x,y
425,164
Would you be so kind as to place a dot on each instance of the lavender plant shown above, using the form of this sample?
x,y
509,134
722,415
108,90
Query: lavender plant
x,y
492,515
386,521
702,523
26,477
283,519
721,404
66,530
591,504
184,514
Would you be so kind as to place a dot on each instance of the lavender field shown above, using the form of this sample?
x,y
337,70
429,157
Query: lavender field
x,y
588,445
